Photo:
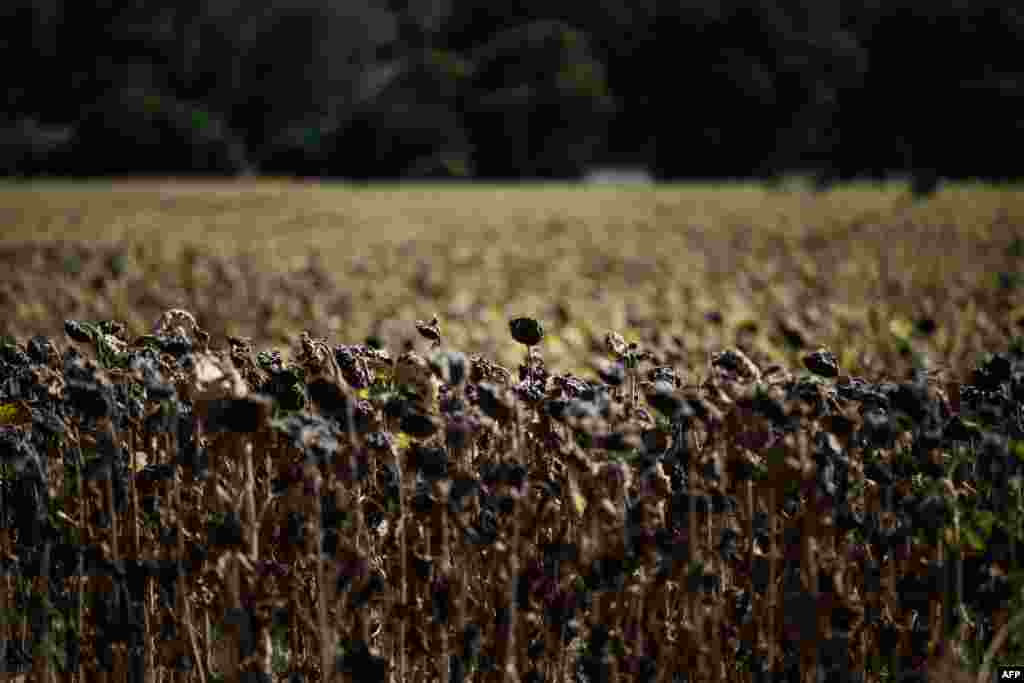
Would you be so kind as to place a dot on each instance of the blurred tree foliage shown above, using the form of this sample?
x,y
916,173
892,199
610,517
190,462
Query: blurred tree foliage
x,y
472,88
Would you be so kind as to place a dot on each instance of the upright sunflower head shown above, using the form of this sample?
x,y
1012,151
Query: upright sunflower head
x,y
526,331
430,330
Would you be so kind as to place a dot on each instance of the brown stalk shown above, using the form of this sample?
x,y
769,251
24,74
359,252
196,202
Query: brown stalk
x,y
810,552
234,589
496,593
5,630
402,569
325,635
270,445
133,493
208,635
716,635
894,606
772,593
938,607
722,570
109,484
509,672
80,565
181,594
696,611
443,565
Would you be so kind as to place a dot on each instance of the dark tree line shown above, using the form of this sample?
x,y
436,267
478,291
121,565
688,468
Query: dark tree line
x,y
473,88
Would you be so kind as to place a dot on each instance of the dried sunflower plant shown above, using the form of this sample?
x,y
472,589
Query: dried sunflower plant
x,y
175,511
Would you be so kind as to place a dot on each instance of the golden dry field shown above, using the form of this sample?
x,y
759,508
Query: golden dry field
x,y
682,269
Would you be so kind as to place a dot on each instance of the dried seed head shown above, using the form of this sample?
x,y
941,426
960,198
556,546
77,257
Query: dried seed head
x,y
241,415
413,372
822,362
431,462
430,330
665,374
377,359
483,370
449,366
419,425
526,331
77,331
411,368
611,373
735,362
495,403
662,397
615,344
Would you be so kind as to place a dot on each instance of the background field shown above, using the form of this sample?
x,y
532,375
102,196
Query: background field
x,y
881,280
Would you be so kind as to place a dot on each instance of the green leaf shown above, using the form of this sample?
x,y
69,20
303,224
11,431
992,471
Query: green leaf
x,y
118,264
200,119
695,568
72,264
1016,248
903,346
1007,281
985,519
973,538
